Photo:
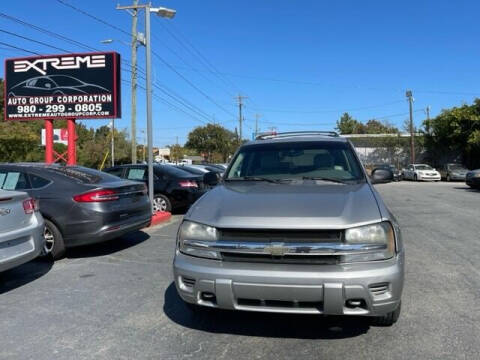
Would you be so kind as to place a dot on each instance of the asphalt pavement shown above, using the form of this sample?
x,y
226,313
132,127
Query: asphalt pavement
x,y
117,300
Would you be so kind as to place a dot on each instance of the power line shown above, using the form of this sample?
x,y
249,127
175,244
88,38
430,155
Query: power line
x,y
93,17
19,48
155,54
191,84
328,111
32,40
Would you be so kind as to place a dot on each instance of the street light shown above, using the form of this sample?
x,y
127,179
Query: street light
x,y
166,13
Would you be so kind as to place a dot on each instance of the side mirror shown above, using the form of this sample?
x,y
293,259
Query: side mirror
x,y
381,176
210,178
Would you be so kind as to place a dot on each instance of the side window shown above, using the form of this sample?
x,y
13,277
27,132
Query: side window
x,y
38,182
116,172
137,174
13,180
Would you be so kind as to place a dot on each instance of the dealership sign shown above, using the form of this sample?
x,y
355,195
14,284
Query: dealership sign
x,y
79,86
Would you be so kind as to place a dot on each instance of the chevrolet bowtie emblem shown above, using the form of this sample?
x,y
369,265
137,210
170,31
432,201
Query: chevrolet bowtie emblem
x,y
276,249
4,211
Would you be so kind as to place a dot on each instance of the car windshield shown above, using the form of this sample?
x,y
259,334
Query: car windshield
x,y
456,167
323,160
423,167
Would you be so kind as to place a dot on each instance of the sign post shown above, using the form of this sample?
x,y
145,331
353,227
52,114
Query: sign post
x,y
49,141
67,86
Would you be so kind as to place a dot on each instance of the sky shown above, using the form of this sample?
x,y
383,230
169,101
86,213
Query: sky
x,y
300,64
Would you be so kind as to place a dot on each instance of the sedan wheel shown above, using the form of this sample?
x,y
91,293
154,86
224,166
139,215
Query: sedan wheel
x,y
448,178
161,203
54,247
49,241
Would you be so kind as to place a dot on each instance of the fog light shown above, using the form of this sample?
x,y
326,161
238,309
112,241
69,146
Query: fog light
x,y
208,297
355,303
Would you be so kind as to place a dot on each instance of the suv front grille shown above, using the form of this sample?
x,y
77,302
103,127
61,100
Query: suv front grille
x,y
275,236
296,236
286,259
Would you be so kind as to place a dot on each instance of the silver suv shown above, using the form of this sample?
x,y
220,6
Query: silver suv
x,y
295,227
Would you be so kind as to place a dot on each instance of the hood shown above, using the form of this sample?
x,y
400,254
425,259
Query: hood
x,y
257,205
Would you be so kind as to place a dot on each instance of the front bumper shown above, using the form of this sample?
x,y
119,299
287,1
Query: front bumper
x,y
429,177
309,289
473,181
22,245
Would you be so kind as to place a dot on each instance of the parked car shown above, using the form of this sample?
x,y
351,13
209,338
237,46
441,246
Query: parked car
x,y
419,172
21,227
397,174
202,172
174,188
296,227
209,167
453,172
473,179
80,205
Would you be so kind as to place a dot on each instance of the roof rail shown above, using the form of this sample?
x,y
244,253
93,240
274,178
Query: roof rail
x,y
274,135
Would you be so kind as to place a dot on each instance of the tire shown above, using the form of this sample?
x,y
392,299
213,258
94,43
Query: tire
x,y
448,178
415,178
388,319
161,203
54,246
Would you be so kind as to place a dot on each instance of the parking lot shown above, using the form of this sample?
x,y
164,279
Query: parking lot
x,y
117,300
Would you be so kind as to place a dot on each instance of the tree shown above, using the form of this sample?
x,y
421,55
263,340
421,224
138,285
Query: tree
x,y
176,152
348,125
455,134
213,141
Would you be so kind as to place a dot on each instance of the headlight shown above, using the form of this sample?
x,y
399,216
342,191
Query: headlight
x,y
477,175
381,233
190,237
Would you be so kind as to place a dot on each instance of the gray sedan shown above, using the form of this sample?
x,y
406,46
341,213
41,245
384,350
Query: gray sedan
x,y
21,224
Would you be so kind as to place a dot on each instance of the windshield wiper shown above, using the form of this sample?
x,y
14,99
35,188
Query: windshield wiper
x,y
324,179
255,178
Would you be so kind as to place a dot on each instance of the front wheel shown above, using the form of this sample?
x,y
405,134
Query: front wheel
x,y
161,203
388,319
448,178
415,177
54,246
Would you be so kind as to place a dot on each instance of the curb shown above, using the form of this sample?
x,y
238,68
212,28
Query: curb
x,y
159,218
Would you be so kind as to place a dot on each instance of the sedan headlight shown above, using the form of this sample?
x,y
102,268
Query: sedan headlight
x,y
476,175
375,234
192,235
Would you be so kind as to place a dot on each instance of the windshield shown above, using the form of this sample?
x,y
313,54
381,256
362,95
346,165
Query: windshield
x,y
423,167
297,160
456,167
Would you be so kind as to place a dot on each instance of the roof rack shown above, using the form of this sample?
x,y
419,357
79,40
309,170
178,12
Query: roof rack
x,y
274,135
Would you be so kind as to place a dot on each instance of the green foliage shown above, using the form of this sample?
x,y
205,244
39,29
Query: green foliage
x,y
455,131
213,141
176,152
348,125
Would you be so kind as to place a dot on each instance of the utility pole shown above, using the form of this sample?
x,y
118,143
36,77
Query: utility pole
x,y
112,141
133,125
427,126
412,135
257,116
167,13
240,118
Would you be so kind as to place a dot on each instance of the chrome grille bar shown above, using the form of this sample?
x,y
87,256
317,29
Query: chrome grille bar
x,y
281,248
